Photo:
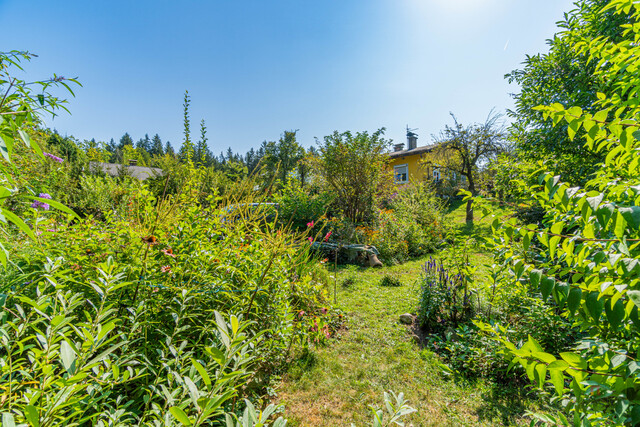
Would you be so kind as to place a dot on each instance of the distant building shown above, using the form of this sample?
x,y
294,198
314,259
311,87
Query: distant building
x,y
406,164
413,164
132,170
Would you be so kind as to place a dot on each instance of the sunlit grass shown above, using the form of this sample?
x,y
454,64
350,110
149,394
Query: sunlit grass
x,y
336,385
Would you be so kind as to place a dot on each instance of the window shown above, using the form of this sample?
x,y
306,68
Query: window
x,y
401,173
436,175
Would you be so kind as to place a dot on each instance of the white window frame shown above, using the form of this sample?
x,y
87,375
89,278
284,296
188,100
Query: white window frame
x,y
436,175
397,174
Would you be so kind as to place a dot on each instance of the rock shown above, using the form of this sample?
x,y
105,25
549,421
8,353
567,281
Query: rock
x,y
406,318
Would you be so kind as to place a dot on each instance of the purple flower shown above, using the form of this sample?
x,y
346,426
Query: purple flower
x,y
37,204
54,158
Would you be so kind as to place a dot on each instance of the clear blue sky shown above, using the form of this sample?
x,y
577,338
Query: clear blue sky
x,y
255,68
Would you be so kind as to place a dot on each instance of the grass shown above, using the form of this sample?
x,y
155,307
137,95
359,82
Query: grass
x,y
336,385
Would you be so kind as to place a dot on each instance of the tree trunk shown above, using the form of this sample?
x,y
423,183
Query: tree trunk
x,y
472,189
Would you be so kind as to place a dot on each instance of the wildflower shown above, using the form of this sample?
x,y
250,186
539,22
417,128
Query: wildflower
x,y
310,224
165,269
326,238
150,240
301,313
324,260
323,310
51,230
169,252
54,158
310,240
37,204
326,331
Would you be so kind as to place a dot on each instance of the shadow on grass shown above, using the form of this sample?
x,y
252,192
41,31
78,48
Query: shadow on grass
x,y
303,363
506,402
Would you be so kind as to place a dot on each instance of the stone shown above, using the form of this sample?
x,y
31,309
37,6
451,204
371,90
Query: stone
x,y
406,318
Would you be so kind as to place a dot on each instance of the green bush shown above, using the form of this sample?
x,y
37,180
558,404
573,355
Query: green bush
x,y
389,280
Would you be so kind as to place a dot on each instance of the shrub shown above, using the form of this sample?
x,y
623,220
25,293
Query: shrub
x,y
445,300
389,280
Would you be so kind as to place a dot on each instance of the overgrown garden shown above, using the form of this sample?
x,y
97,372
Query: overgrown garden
x,y
225,286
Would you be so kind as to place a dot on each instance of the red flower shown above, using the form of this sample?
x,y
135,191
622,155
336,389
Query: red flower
x,y
165,269
326,238
310,240
310,224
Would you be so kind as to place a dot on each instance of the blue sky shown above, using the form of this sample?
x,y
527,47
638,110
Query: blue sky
x,y
255,68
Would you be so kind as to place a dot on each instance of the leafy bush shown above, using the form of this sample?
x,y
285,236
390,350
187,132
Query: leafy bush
x,y
585,254
389,280
298,206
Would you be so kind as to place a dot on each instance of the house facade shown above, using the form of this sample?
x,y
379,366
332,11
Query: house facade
x,y
418,164
409,164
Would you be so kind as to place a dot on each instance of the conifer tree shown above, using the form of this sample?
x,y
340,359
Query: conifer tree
x,y
156,146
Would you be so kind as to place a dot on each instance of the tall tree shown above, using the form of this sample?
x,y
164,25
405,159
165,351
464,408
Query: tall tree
x,y
168,149
125,140
282,157
463,149
156,146
353,168
564,75
144,144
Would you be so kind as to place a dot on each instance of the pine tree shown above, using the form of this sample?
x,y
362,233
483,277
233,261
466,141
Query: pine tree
x,y
144,143
156,146
125,140
168,149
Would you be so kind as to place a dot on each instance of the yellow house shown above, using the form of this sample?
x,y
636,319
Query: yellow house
x,y
408,165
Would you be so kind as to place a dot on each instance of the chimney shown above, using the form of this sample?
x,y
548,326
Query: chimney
x,y
412,139
398,147
133,162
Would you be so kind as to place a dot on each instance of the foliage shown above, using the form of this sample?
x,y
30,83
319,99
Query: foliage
x,y
396,408
586,253
389,280
299,206
20,108
281,158
446,300
353,168
463,149
411,224
567,76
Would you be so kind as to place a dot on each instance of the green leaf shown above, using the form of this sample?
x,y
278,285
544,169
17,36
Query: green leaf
x,y
7,420
573,300
31,413
540,374
30,143
631,215
56,205
534,277
574,360
594,305
635,297
615,315
180,415
546,286
67,356
203,372
621,225
15,219
557,379
604,213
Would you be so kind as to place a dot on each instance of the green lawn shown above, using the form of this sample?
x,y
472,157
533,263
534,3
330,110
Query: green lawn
x,y
335,385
